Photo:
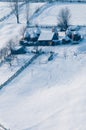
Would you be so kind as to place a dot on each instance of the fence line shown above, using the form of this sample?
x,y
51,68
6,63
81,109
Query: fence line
x,y
10,13
2,127
19,71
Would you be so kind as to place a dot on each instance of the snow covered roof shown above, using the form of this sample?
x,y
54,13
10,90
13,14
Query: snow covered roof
x,y
17,47
46,35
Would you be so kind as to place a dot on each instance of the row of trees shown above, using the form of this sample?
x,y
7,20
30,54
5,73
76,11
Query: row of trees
x,y
63,17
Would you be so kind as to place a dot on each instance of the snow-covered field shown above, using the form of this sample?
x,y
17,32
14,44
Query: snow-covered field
x,y
47,95
46,16
9,30
49,15
9,68
4,9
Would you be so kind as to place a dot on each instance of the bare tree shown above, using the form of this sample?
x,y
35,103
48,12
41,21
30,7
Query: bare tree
x,y
27,11
3,54
11,45
64,18
27,4
15,8
22,31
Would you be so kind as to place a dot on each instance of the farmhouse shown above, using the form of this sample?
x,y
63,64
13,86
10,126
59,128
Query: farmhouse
x,y
48,38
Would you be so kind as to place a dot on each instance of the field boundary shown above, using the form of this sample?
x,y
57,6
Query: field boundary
x,y
20,70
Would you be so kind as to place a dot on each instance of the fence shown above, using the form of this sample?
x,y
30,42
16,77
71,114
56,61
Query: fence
x,y
2,127
19,71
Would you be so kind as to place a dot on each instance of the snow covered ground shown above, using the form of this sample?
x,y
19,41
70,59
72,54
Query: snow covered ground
x,y
48,95
7,69
49,15
9,30
4,9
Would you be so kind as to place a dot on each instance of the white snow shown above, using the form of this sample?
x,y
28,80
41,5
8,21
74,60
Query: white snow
x,y
46,35
4,9
9,30
47,95
9,68
49,15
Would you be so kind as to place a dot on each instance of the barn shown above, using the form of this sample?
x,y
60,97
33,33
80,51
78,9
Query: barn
x,y
48,38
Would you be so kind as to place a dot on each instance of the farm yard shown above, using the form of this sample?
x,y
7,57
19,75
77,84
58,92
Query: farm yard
x,y
49,93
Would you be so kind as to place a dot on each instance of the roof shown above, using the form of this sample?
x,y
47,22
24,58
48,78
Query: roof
x,y
46,35
17,48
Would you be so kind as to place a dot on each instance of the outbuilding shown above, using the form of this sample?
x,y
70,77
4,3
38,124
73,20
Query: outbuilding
x,y
18,50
